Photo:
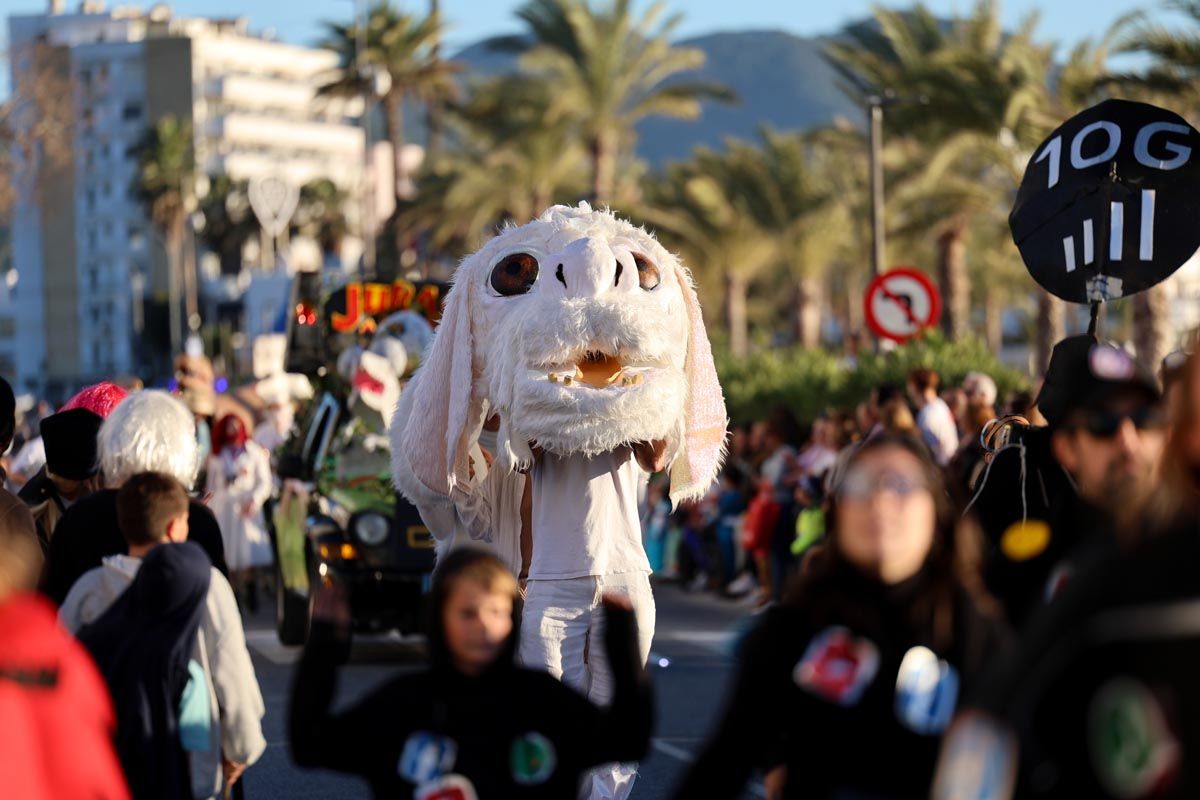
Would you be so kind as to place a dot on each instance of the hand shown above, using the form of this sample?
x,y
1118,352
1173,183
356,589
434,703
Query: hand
x,y
774,781
247,509
523,585
651,456
232,770
611,600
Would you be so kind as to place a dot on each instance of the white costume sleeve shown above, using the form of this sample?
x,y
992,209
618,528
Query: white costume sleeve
x,y
234,682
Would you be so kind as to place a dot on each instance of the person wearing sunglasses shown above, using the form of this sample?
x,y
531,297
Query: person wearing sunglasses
x,y
1047,502
1100,697
849,682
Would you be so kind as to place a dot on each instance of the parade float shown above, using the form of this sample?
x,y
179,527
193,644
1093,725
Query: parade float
x,y
336,512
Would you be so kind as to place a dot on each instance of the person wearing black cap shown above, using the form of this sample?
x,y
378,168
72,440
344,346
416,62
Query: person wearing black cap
x,y
1046,502
70,471
1100,698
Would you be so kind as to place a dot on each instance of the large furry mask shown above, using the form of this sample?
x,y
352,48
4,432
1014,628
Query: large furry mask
x,y
584,334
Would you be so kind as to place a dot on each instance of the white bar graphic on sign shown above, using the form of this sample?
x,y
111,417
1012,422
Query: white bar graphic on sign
x,y
1069,252
1146,249
1089,249
1116,237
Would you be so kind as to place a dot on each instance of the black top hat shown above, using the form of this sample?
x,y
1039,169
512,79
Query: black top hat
x,y
70,439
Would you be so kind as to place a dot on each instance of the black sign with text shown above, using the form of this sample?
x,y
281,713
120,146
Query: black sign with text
x,y
1110,203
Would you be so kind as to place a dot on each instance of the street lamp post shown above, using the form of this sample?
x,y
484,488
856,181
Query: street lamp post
x,y
875,105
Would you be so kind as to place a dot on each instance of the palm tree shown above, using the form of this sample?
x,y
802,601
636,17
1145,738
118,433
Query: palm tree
x,y
702,211
1171,77
508,164
795,205
163,183
228,221
979,85
320,214
402,46
609,69
1171,56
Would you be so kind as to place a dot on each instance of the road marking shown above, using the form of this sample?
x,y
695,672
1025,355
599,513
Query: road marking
x,y
679,754
266,644
694,637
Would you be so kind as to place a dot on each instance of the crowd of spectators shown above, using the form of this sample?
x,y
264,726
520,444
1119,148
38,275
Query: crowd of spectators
x,y
745,538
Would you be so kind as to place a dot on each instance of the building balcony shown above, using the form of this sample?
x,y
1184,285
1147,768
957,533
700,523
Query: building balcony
x,y
259,93
250,131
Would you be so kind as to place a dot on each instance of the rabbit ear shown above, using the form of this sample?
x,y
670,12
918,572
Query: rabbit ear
x,y
443,412
702,450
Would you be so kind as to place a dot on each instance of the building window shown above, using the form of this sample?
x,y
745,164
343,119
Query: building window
x,y
8,327
131,112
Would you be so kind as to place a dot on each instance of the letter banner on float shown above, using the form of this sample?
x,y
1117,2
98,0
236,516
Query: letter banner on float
x,y
1109,204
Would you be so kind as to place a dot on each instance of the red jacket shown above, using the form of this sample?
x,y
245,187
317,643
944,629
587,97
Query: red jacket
x,y
58,720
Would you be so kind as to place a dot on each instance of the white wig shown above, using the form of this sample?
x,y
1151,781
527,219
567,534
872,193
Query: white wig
x,y
150,431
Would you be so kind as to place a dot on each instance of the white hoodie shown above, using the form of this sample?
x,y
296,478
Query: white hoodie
x,y
234,696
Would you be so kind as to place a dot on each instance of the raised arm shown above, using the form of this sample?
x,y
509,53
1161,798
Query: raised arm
x,y
621,731
318,737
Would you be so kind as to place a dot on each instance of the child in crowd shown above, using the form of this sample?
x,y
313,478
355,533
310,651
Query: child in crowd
x,y
142,645
474,722
152,510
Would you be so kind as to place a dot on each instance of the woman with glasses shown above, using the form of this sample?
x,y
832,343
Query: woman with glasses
x,y
850,682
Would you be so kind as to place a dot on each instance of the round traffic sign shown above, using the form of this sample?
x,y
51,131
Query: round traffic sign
x,y
901,303
1109,203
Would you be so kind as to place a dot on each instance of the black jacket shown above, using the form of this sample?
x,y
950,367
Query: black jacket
x,y
1102,690
837,733
512,732
1031,487
88,532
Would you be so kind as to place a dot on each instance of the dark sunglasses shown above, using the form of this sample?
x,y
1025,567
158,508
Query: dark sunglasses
x,y
1105,424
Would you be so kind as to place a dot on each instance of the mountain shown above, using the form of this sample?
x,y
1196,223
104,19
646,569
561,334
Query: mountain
x,y
780,79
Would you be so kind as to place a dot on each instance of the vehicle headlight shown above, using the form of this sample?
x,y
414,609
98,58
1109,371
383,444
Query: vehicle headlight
x,y
372,529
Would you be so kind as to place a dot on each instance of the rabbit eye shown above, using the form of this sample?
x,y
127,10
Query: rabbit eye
x,y
515,274
648,277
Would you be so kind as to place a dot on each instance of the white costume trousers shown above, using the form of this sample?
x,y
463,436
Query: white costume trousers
x,y
562,632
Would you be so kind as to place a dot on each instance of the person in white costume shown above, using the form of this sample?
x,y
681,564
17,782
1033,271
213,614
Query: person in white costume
x,y
240,482
585,336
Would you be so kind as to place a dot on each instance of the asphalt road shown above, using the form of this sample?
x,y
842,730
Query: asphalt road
x,y
691,662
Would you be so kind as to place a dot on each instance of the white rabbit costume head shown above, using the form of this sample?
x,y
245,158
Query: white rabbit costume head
x,y
584,334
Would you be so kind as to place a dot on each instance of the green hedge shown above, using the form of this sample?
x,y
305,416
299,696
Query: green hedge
x,y
810,382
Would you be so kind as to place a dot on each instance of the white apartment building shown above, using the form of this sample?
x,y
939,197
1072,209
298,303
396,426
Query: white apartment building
x,y
83,247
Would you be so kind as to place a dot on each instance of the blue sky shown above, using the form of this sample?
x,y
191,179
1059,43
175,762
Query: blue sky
x,y
300,20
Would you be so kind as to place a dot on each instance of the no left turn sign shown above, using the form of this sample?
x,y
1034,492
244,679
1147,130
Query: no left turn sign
x,y
901,303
